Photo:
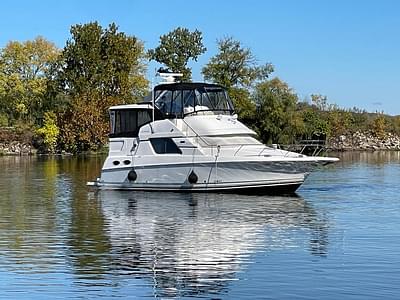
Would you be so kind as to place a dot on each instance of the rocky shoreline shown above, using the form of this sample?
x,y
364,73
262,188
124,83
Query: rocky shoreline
x,y
16,148
358,141
364,141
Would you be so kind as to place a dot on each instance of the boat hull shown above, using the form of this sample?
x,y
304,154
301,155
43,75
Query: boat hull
x,y
247,189
247,177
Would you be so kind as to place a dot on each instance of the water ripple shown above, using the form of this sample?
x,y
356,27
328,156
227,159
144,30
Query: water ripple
x,y
339,238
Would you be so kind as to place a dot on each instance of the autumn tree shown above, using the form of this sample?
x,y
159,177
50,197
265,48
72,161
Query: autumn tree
x,y
24,68
176,49
379,125
236,68
98,68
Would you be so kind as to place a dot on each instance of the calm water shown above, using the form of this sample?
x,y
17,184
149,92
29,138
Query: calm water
x,y
339,239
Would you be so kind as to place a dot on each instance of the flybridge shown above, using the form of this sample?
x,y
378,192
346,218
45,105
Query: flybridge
x,y
172,101
176,100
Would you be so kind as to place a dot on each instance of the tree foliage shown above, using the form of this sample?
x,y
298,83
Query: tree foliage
x,y
235,66
315,125
379,126
104,61
84,125
24,69
244,105
176,49
49,131
98,68
71,90
277,119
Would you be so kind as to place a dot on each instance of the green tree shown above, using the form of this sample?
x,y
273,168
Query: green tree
x,y
104,61
244,105
277,119
176,49
235,66
24,75
98,68
315,124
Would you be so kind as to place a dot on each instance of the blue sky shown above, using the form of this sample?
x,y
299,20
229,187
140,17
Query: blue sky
x,y
347,50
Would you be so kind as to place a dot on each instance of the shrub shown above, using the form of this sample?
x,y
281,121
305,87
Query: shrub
x,y
3,120
49,132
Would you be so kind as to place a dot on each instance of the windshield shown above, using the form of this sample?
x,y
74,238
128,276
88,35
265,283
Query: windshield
x,y
212,99
181,102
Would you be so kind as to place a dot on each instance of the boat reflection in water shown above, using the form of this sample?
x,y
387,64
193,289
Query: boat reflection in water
x,y
190,244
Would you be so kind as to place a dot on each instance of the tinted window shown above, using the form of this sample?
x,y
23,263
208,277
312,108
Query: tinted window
x,y
178,100
164,146
169,103
164,102
127,122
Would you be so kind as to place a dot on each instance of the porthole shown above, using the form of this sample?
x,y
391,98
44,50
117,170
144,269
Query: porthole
x,y
116,162
127,162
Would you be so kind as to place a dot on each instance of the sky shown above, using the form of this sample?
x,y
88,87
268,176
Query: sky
x,y
346,50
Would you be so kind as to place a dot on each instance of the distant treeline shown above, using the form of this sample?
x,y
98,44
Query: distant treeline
x,y
61,96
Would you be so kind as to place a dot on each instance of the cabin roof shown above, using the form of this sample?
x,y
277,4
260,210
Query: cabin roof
x,y
132,106
186,86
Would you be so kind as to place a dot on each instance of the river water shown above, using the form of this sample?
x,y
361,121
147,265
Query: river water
x,y
338,239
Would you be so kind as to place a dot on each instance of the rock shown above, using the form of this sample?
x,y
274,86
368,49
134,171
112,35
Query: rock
x,y
364,141
15,148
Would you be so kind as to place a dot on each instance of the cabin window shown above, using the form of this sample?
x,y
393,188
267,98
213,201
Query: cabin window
x,y
127,122
165,146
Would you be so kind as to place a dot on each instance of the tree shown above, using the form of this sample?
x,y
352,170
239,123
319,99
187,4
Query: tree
x,y
24,69
339,121
379,125
244,106
104,61
277,120
176,49
320,101
49,132
315,125
235,66
98,68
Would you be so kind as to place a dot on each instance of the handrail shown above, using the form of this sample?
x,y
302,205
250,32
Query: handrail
x,y
195,133
317,146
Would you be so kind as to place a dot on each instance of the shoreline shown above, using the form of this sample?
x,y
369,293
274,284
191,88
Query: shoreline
x,y
357,141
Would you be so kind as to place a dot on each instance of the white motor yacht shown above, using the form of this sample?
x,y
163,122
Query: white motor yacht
x,y
188,138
